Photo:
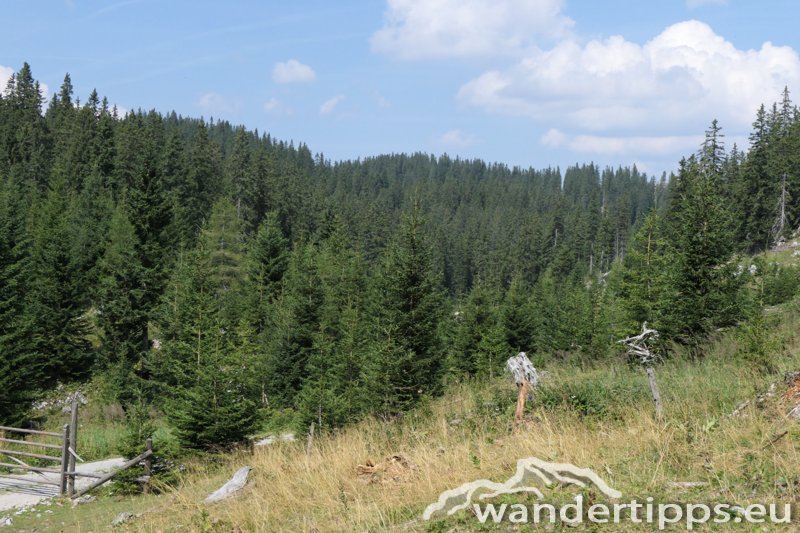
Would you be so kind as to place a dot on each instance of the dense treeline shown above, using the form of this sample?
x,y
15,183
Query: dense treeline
x,y
226,276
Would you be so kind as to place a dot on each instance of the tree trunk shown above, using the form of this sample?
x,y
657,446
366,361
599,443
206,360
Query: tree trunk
x,y
651,377
520,411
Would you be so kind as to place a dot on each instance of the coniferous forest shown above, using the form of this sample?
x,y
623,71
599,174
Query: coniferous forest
x,y
227,278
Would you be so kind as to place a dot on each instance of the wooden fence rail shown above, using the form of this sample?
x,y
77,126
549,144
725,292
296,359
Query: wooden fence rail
x,y
29,443
67,446
30,431
12,454
136,460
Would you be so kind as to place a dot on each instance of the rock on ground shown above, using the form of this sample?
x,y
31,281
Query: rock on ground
x,y
236,483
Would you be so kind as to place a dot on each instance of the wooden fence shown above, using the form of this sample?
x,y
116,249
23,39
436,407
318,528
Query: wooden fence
x,y
64,444
58,464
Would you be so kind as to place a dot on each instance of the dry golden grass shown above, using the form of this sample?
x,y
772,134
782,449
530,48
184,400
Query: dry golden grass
x,y
456,440
466,435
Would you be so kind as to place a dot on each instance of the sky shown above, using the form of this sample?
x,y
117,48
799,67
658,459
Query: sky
x,y
534,83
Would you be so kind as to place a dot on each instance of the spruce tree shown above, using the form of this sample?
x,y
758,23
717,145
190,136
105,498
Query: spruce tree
x,y
122,312
54,315
267,261
223,239
705,289
472,322
409,306
294,326
239,178
20,370
198,186
518,316
643,283
205,365
25,137
333,392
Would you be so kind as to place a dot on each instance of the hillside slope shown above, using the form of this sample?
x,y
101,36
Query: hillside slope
x,y
600,418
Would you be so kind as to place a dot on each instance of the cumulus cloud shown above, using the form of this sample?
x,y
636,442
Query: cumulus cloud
x,y
456,138
274,106
678,81
5,75
292,71
464,28
554,138
330,104
614,145
217,104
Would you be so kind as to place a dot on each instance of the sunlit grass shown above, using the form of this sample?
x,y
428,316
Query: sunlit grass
x,y
466,436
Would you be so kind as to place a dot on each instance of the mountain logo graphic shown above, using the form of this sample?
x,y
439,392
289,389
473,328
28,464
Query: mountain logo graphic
x,y
530,473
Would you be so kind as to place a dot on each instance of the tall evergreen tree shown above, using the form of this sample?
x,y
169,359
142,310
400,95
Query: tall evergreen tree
x,y
223,238
706,291
23,134
409,307
295,325
20,370
518,316
333,392
478,341
199,186
643,283
54,315
122,313
206,362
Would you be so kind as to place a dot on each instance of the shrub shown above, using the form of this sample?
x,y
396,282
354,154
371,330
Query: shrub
x,y
780,284
593,397
759,344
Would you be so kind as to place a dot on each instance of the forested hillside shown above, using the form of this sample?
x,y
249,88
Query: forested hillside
x,y
226,277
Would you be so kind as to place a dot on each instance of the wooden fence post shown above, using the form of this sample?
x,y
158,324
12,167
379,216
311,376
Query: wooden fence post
x,y
73,445
519,412
310,441
110,475
651,377
148,465
64,460
525,376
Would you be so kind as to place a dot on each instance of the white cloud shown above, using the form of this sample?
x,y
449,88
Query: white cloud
x,y
676,82
383,102
330,104
274,106
292,71
553,138
217,104
691,4
456,138
5,75
614,145
464,28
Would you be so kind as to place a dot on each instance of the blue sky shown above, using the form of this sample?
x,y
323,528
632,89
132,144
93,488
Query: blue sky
x,y
524,82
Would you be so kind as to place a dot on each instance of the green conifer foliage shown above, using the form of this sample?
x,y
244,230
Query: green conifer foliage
x,y
122,313
20,370
409,306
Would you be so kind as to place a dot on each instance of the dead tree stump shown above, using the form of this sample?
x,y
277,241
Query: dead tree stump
x,y
637,347
525,376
